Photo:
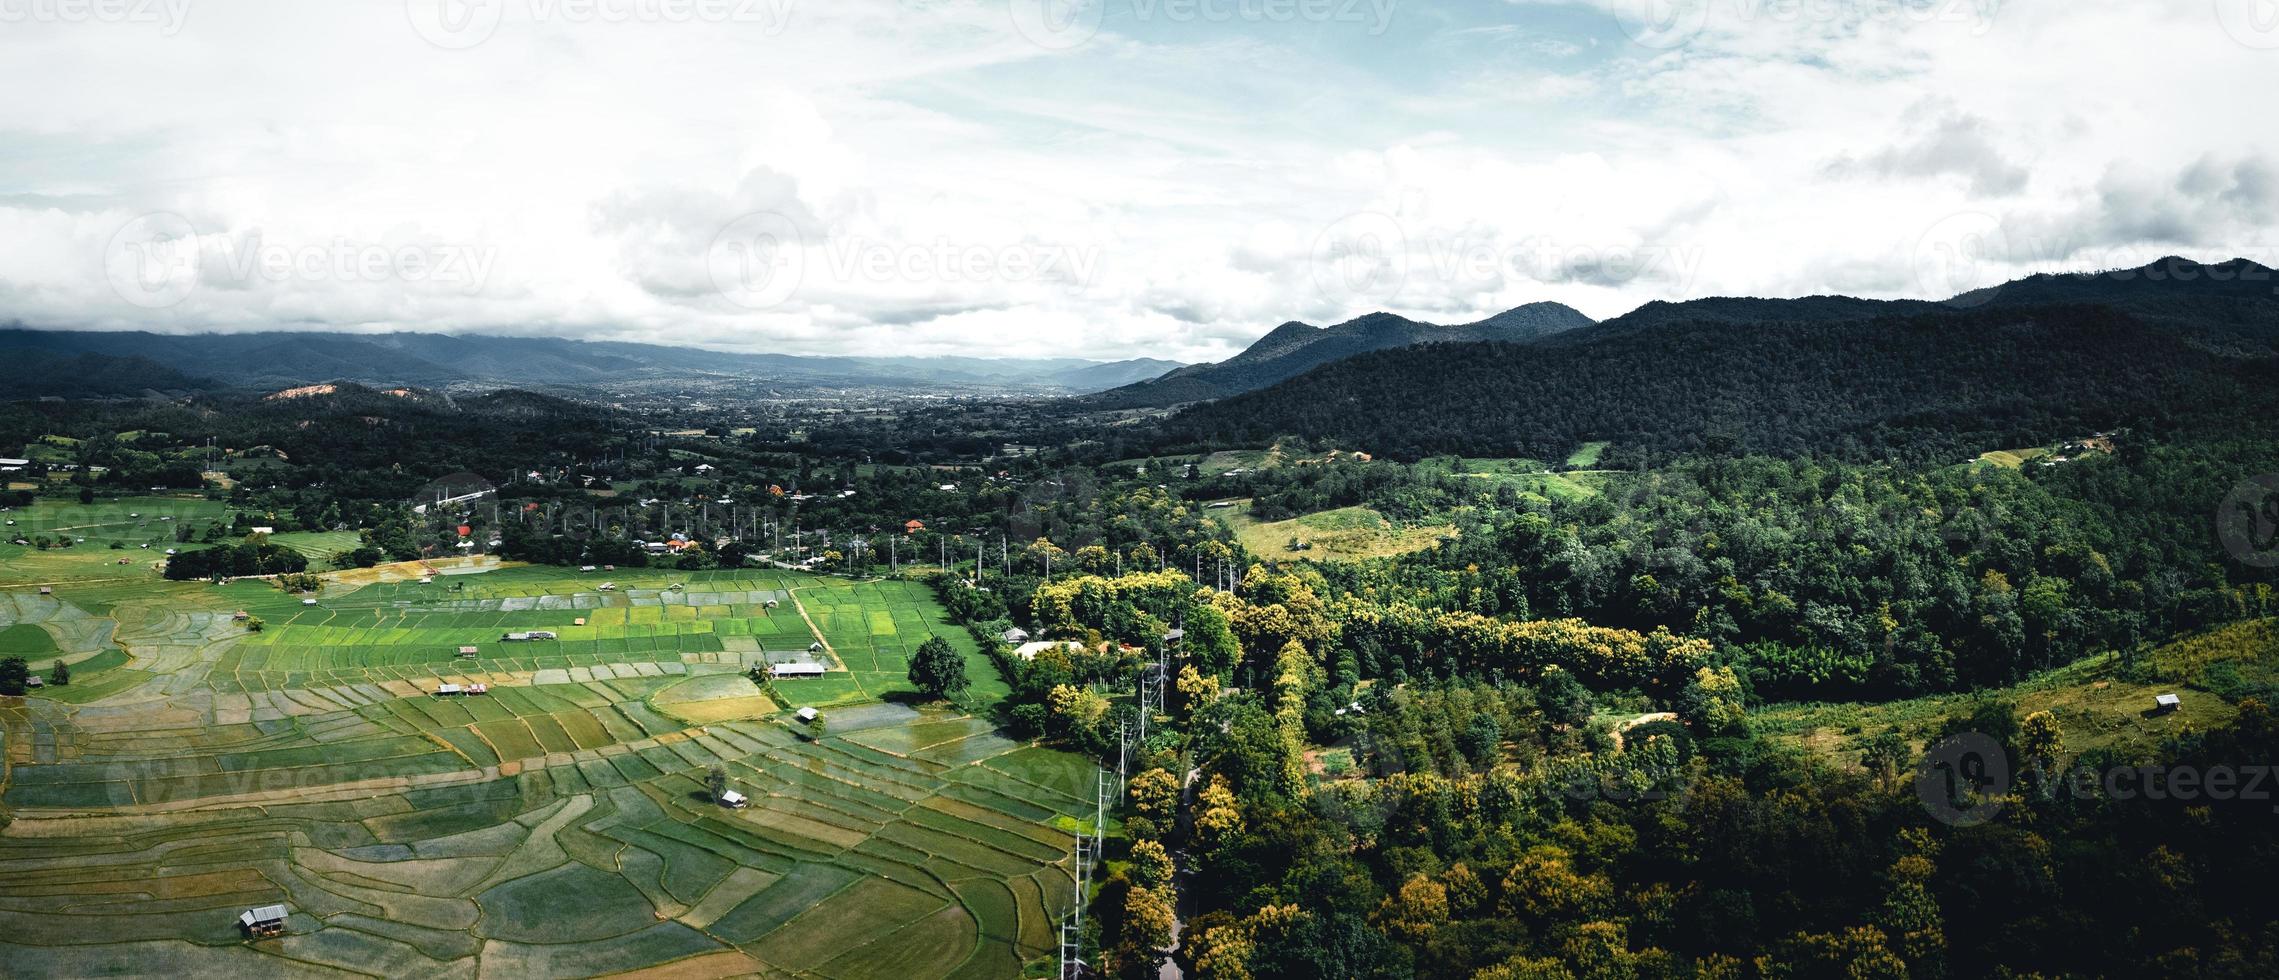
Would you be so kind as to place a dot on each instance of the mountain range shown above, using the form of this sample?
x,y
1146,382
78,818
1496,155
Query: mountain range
x,y
2043,358
44,362
1294,348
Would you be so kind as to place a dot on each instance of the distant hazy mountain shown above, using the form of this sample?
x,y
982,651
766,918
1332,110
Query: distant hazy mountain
x,y
2022,364
281,360
1295,348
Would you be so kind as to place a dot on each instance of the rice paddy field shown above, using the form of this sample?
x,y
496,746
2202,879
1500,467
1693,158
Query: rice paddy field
x,y
557,825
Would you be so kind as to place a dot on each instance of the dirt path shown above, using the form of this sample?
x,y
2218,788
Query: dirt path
x,y
1625,726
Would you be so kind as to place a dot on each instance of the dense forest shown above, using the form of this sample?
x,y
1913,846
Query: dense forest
x,y
1923,388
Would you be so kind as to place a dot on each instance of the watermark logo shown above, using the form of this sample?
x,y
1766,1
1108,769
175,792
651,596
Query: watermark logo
x,y
153,261
2248,521
1963,779
1959,257
157,260
2254,23
1361,258
168,15
758,260
455,24
1666,24
1661,24
1057,25
460,24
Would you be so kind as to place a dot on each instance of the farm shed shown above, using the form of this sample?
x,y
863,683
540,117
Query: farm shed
x,y
2165,703
782,671
806,714
47,590
469,651
1014,635
734,800
266,920
515,637
448,690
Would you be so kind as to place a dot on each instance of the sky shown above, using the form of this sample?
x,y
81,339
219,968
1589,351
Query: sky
x,y
1095,178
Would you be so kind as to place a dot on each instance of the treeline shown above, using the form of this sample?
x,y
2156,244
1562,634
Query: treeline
x,y
230,560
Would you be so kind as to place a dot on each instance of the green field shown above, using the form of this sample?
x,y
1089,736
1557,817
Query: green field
x,y
1343,534
2098,702
2011,458
320,547
1586,455
1528,476
141,528
554,826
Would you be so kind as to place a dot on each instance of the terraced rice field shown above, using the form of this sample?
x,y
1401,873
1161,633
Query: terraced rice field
x,y
556,826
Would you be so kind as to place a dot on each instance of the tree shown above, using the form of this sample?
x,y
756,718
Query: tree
x,y
15,676
716,782
1151,864
1481,741
1563,698
1148,921
1155,795
1713,703
938,669
1885,755
253,624
59,675
2040,738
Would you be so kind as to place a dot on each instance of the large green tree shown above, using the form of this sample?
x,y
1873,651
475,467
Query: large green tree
x,y
15,675
938,669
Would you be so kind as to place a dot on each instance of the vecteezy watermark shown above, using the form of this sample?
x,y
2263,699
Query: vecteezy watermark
x,y
157,260
167,15
761,260
1963,779
153,261
1967,779
2254,23
1963,259
1063,24
1360,258
1665,24
758,260
461,24
2247,522
1367,258
1959,256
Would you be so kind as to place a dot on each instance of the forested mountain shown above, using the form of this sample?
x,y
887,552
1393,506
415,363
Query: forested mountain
x,y
1823,375
2228,302
285,359
1295,348
40,373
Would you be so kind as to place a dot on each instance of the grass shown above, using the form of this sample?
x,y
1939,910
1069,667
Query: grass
x,y
2012,458
1528,476
1343,534
319,547
27,641
558,824
1586,455
2098,702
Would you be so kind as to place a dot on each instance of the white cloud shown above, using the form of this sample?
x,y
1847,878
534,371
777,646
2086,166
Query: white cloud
x,y
1164,188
